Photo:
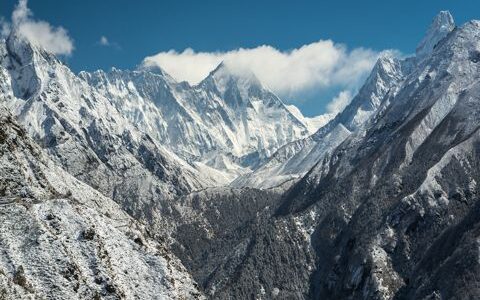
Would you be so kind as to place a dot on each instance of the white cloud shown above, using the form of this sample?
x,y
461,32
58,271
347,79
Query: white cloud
x,y
187,65
21,12
319,65
4,28
53,39
339,102
104,41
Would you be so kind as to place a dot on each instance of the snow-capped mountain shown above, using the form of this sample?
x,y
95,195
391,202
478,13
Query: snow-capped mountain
x,y
226,125
84,132
442,25
391,212
295,159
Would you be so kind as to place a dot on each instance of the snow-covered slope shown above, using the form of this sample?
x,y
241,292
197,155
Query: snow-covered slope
x,y
312,123
226,125
60,239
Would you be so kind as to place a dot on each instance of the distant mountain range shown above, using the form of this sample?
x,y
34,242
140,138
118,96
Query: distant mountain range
x,y
131,185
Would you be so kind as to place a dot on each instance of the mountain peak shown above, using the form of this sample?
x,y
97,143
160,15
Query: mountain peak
x,y
234,71
19,47
24,51
441,25
226,74
234,84
153,68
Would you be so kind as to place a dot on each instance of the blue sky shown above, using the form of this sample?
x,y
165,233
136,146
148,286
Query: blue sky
x,y
137,29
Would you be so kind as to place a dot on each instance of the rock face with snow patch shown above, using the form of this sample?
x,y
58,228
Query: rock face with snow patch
x,y
442,25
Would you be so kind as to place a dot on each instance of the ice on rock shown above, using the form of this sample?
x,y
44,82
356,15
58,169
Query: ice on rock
x,y
442,25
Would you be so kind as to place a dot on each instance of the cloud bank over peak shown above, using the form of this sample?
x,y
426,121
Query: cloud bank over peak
x,y
339,102
53,39
319,65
